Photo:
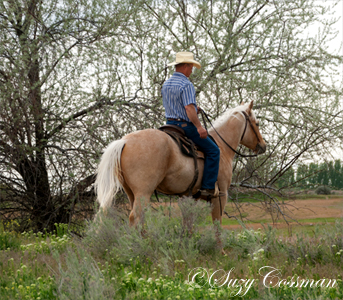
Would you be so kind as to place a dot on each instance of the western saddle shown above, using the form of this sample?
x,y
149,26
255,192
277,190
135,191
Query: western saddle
x,y
188,148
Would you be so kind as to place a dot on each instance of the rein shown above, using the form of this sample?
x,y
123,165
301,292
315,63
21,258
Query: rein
x,y
204,115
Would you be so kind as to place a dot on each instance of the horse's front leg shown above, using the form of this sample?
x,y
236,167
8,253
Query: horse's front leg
x,y
218,205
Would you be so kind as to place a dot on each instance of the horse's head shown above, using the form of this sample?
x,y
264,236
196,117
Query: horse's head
x,y
251,136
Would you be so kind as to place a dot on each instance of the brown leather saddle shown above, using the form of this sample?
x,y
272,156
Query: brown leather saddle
x,y
187,147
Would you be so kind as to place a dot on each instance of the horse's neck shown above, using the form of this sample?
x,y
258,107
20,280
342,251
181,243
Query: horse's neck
x,y
231,131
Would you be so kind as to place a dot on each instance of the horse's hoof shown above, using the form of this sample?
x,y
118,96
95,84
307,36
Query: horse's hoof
x,y
144,233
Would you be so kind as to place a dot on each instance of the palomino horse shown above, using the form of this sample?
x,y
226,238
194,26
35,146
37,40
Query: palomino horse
x,y
149,159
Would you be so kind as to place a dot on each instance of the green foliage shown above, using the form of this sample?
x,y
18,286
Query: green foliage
x,y
326,247
81,278
77,74
47,242
323,190
248,241
25,283
41,245
8,240
29,280
161,238
314,174
287,179
84,271
32,279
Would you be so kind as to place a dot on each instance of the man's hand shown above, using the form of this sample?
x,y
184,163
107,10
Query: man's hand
x,y
203,132
192,115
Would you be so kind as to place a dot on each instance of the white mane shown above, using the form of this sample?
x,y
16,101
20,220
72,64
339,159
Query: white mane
x,y
224,117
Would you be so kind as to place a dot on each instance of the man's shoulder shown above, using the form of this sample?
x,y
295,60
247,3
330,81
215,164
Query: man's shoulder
x,y
177,80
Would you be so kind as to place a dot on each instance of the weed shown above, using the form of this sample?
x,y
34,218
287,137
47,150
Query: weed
x,y
81,277
8,240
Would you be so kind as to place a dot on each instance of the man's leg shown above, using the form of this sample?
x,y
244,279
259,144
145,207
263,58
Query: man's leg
x,y
212,157
211,150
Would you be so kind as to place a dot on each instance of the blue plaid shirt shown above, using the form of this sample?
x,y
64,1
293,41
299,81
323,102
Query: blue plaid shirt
x,y
178,92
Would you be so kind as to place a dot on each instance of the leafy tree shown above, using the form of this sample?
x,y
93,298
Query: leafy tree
x,y
255,50
323,176
75,75
302,174
331,172
337,180
287,179
313,174
48,148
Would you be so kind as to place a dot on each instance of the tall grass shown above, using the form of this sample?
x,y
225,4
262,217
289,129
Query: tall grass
x,y
154,259
79,276
161,238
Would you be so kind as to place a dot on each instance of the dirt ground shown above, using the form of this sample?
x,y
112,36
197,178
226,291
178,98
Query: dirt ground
x,y
295,209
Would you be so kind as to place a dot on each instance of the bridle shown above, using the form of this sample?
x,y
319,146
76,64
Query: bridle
x,y
247,119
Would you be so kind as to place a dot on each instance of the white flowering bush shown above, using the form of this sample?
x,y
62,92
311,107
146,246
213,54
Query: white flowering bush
x,y
248,242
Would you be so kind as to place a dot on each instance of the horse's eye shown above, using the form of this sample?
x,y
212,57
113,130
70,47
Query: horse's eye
x,y
257,124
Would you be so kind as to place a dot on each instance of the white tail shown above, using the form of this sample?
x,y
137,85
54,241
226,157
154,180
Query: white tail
x,y
107,182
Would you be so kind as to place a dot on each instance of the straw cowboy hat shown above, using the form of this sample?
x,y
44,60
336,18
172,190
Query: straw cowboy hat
x,y
185,57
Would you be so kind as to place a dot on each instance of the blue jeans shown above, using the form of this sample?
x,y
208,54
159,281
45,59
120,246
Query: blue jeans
x,y
210,149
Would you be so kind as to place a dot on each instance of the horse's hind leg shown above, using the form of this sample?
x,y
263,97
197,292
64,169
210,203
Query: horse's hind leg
x,y
140,202
131,197
137,204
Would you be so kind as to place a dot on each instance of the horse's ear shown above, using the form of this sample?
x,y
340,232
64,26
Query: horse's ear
x,y
250,107
242,103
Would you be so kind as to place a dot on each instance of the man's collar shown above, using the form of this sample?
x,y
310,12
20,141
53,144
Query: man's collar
x,y
180,74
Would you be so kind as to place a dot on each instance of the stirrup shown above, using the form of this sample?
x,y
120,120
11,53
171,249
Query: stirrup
x,y
208,194
216,190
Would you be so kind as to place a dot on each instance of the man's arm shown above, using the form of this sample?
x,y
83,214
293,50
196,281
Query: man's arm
x,y
192,115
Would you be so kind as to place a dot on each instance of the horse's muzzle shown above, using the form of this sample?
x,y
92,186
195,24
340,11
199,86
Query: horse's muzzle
x,y
260,148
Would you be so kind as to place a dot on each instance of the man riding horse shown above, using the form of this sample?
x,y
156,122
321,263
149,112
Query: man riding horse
x,y
179,101
147,160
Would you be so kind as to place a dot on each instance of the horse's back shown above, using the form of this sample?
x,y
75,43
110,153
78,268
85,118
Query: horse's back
x,y
145,158
142,145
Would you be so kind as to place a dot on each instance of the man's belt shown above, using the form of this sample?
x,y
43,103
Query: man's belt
x,y
179,120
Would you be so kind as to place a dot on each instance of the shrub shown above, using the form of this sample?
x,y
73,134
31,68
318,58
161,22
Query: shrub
x,y
8,239
323,190
81,277
162,238
249,242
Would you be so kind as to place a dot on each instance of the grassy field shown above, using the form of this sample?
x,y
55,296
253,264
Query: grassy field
x,y
175,256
